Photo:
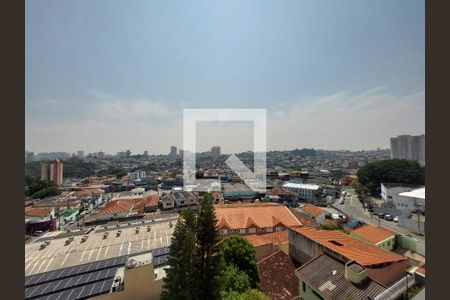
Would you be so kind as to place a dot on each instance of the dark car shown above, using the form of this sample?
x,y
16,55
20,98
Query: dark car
x,y
388,218
381,215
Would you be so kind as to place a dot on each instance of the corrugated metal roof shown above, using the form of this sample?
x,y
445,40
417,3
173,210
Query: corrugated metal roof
x,y
327,275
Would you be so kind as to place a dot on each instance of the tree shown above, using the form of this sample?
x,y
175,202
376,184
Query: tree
x,y
179,282
392,170
209,266
238,252
41,189
235,280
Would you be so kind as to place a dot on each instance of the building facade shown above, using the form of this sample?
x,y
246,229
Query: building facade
x,y
53,171
409,147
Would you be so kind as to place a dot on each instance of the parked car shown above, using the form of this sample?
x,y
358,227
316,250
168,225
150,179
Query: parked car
x,y
396,219
381,215
388,218
341,201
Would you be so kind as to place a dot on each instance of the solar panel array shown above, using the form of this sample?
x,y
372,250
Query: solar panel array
x,y
160,251
160,260
75,270
76,282
82,281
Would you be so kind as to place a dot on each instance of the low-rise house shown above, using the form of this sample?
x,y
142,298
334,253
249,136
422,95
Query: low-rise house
x,y
253,218
217,196
269,243
278,280
338,266
39,214
377,236
121,209
168,201
313,212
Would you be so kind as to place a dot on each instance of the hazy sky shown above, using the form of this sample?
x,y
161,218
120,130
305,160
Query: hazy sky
x,y
114,75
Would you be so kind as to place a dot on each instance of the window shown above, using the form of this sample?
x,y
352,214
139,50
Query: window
x,y
304,286
269,229
242,231
252,230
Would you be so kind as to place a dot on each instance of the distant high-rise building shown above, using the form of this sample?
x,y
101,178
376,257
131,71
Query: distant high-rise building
x,y
180,152
215,151
80,153
145,153
409,147
53,171
128,153
29,156
101,154
173,151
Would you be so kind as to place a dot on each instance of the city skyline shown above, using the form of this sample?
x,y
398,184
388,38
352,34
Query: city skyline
x,y
98,84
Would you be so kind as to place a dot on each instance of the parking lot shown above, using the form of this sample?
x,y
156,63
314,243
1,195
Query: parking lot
x,y
100,244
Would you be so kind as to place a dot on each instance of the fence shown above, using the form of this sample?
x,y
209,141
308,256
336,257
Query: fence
x,y
397,289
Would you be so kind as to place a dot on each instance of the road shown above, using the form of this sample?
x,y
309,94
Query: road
x,y
354,209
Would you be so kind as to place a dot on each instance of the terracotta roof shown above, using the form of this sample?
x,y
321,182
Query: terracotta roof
x,y
257,240
312,210
89,192
259,215
363,253
117,206
303,218
41,212
278,280
373,234
421,270
275,238
278,191
152,200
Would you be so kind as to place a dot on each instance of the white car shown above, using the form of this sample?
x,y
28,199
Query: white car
x,y
396,219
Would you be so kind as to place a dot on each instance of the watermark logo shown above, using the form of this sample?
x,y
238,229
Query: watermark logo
x,y
255,180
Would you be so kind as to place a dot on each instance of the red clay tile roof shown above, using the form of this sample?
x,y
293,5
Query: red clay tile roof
x,y
312,210
306,221
278,280
41,212
373,234
275,238
261,215
421,270
152,200
118,206
278,191
363,253
257,240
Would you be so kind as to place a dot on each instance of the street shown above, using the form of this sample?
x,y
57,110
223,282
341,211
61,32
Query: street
x,y
354,209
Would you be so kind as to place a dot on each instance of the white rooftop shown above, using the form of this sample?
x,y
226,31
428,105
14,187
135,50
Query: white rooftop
x,y
418,193
306,186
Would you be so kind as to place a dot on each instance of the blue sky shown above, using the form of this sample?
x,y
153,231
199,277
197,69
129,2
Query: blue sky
x,y
111,75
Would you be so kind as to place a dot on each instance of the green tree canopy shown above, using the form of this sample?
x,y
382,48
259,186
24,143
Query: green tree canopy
x,y
238,252
392,171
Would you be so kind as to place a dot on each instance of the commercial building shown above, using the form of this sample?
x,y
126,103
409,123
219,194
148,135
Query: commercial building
x,y
236,191
136,276
258,218
409,147
303,191
137,175
60,249
390,190
80,153
53,171
410,200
